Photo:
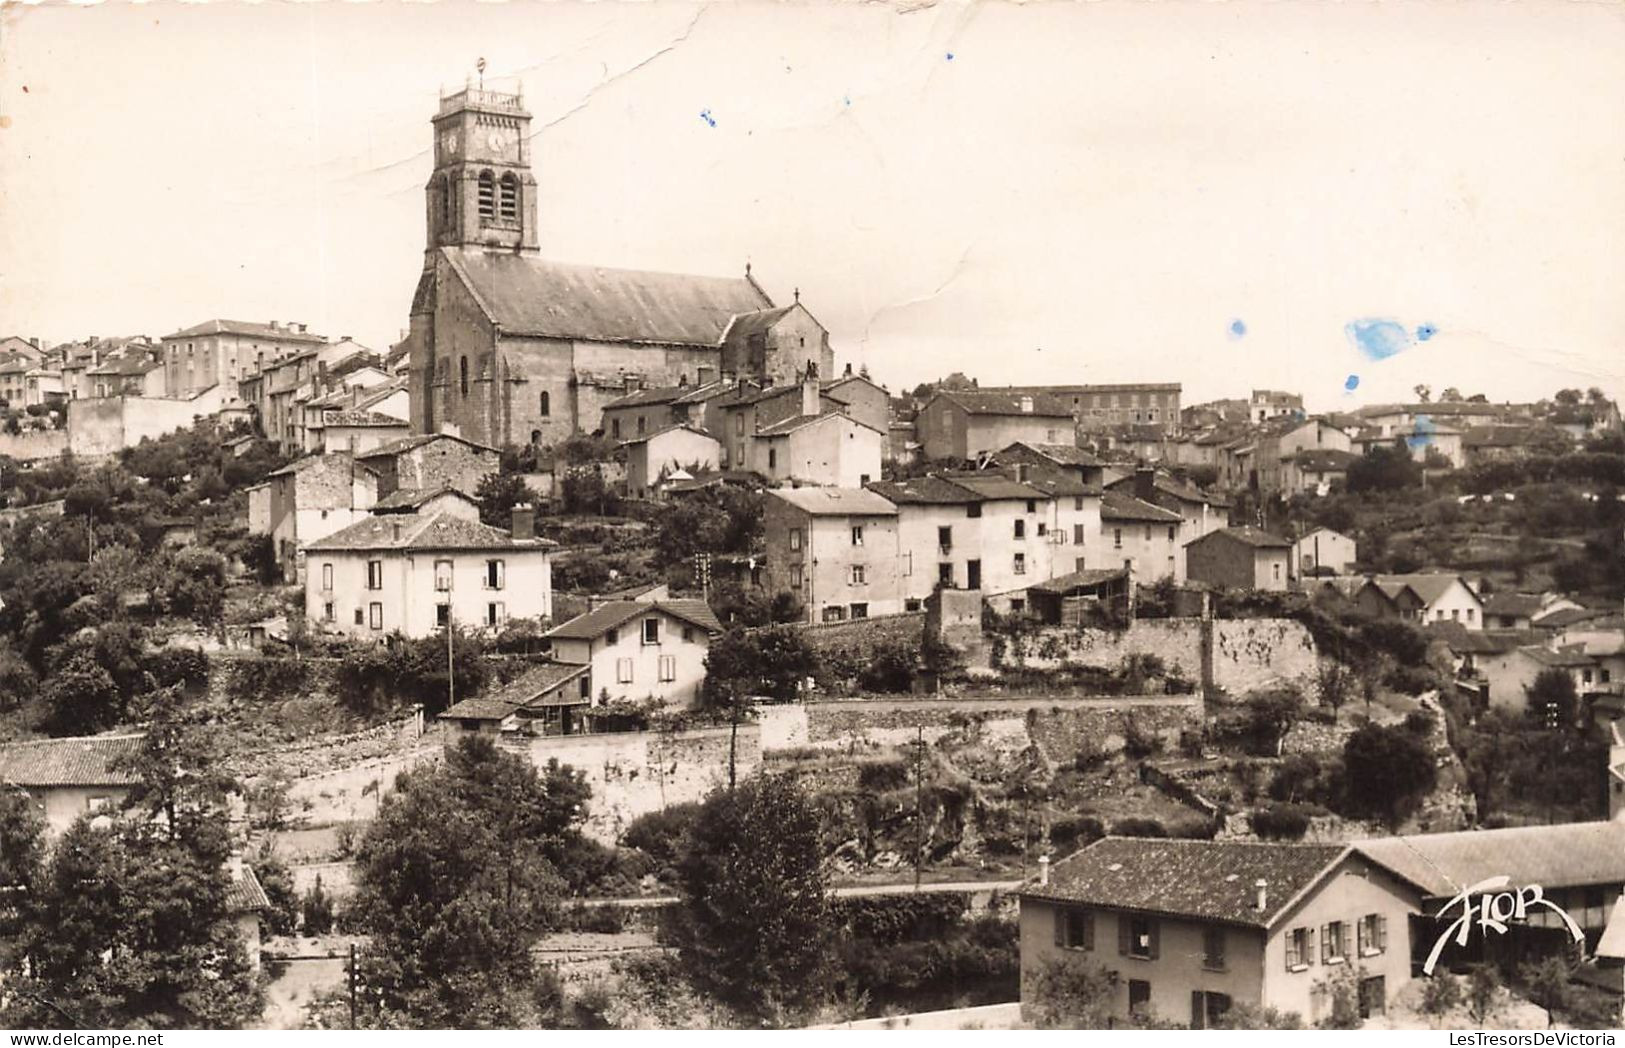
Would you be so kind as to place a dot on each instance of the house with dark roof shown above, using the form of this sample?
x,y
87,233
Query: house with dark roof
x,y
550,698
1243,558
70,777
1508,675
416,573
1443,597
1518,611
1203,511
640,649
312,497
646,411
222,352
431,460
1140,536
775,345
1066,457
960,425
1191,928
836,550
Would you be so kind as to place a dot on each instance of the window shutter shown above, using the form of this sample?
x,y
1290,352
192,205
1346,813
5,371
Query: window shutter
x,y
1382,932
1325,943
1198,1012
1360,944
1060,925
1155,928
1089,929
1291,949
1309,946
1122,934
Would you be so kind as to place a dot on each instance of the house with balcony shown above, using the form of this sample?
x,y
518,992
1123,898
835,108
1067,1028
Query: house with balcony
x,y
1189,929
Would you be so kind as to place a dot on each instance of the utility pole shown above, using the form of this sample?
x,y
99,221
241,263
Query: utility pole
x,y
451,665
352,985
919,806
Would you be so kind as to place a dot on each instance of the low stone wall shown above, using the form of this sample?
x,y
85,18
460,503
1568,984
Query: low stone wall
x,y
1249,654
985,1017
34,445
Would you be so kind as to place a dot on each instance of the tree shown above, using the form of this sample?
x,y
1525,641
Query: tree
x,y
1451,395
756,919
81,697
1382,468
182,785
771,661
277,880
1335,682
1273,712
1553,699
1547,982
1070,993
498,494
22,865
1424,393
1483,985
456,879
1388,770
1441,993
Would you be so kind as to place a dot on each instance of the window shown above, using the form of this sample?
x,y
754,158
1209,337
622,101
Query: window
x,y
651,631
327,577
1277,572
612,637
1117,538
96,804
488,195
615,428
795,576
545,408
495,613
1077,503
945,539
688,634
1017,606
375,574
1470,614
508,198
494,574
863,478
1371,934
462,370
860,611
1148,533
1208,1007
1170,533
795,538
973,510
945,574
772,456
857,534
1455,614
1300,948
1139,997
739,424
360,617
1074,928
1020,566
1043,529
375,616
668,668
914,604
640,425
1032,506
1137,937
623,671
859,575
1021,529
835,614
1213,949
327,612
442,615
442,576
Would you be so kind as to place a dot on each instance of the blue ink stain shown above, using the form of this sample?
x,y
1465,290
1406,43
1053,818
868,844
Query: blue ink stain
x,y
1378,339
1351,383
950,56
846,99
1425,332
1237,328
705,114
1421,433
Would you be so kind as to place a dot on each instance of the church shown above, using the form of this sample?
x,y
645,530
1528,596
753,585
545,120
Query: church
x,y
509,348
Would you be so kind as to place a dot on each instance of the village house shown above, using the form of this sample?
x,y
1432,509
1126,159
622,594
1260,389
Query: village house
x,y
1107,407
429,502
1266,405
835,549
646,411
1242,558
652,457
827,448
1518,611
1192,928
1140,536
1315,472
638,649
1067,458
356,431
749,409
866,402
1508,675
1203,511
312,498
1011,540
1438,597
959,425
776,344
431,460
1323,552
548,699
222,352
415,573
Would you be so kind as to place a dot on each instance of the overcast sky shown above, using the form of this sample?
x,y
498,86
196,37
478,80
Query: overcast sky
x,y
1050,192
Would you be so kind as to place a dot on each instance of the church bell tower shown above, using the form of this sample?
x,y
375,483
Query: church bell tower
x,y
482,192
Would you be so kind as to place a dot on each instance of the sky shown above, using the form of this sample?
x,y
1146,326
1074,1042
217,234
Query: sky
x,y
1339,200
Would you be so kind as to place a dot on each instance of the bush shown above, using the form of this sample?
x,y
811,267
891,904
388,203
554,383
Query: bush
x,y
266,678
605,919
172,666
1420,723
1281,822
889,669
1136,827
882,775
1137,742
1068,833
316,910
661,835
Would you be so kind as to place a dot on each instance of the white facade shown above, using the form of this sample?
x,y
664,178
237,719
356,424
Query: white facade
x,y
831,449
368,594
1323,548
637,660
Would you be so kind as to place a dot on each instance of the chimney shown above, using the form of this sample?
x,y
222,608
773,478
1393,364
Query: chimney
x,y
276,325
1026,405
809,390
1263,893
524,521
34,342
848,373
1043,870
1145,484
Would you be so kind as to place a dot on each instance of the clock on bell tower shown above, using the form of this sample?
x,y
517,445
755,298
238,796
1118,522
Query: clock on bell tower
x,y
482,192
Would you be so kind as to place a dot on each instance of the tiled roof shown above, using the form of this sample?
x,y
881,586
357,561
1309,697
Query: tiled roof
x,y
1088,578
1205,880
521,692
1248,536
1556,856
412,498
755,322
929,490
405,444
981,403
327,458
133,363
646,437
530,296
1556,659
837,502
641,397
244,327
85,761
1464,641
990,484
361,417
245,894
1325,460
793,423
605,617
1061,454
1058,482
1521,605
1427,585
1172,486
413,531
1117,506
1567,617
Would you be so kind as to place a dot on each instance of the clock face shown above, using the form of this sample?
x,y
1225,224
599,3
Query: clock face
x,y
497,141
448,142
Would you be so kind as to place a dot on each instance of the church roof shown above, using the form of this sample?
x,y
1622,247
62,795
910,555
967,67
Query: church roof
x,y
525,295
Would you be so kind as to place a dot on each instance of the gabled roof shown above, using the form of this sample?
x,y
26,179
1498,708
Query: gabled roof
x,y
1058,482
361,417
82,761
1173,487
1312,532
244,327
326,458
1204,880
412,498
755,322
1520,605
646,437
1115,505
670,395
1426,585
526,295
1325,460
990,486
245,894
605,617
401,532
520,693
1567,617
1464,641
837,502
929,490
1556,856
405,444
1557,660
1087,578
1060,454
786,426
979,403
1247,536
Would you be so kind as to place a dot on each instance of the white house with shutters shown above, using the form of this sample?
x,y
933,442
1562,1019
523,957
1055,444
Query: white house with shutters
x,y
641,649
